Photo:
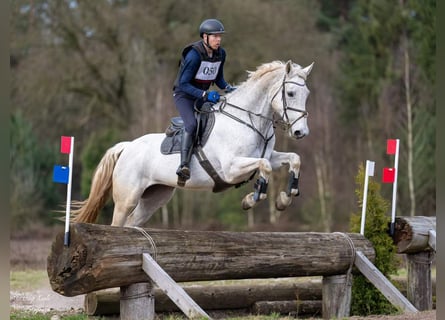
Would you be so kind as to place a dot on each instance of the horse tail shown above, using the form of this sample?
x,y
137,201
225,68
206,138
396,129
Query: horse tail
x,y
101,185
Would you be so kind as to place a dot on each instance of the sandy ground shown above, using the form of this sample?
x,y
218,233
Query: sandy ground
x,y
45,300
32,254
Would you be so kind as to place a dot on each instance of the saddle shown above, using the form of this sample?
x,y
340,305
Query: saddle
x,y
172,142
205,119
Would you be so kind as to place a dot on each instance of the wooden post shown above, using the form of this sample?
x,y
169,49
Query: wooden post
x,y
174,291
382,284
420,289
137,302
336,295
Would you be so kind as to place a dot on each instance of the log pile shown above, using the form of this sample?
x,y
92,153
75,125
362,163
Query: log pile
x,y
285,296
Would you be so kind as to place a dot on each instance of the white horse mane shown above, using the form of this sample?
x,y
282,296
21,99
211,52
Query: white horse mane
x,y
272,66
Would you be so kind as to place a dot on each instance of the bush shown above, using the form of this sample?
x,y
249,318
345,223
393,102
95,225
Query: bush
x,y
366,299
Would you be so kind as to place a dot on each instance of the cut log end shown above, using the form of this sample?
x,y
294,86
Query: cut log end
x,y
411,234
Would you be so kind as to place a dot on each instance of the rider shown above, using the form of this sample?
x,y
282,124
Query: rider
x,y
202,64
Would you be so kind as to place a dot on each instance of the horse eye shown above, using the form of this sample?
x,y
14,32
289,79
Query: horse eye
x,y
291,93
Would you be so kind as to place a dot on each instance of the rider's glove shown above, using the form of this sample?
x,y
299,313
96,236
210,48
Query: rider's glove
x,y
229,88
212,96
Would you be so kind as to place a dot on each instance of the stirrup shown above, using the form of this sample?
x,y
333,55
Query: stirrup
x,y
183,173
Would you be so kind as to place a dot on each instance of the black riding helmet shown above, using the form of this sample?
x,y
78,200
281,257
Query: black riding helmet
x,y
211,26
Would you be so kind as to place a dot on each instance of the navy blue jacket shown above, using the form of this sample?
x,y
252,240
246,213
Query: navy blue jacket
x,y
194,60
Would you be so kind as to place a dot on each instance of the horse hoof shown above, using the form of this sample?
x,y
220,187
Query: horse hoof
x,y
282,201
279,206
245,205
248,201
181,182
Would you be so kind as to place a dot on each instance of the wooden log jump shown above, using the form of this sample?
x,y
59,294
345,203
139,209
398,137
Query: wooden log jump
x,y
101,256
416,237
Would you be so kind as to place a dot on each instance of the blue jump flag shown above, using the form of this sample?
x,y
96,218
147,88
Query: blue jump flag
x,y
63,174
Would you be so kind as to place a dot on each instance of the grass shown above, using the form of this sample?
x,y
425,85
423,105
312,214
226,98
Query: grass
x,y
27,280
29,315
403,273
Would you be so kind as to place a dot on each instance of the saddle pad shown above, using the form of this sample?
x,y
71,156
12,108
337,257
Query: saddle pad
x,y
172,144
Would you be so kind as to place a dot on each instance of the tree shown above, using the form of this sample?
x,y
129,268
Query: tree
x,y
384,94
33,195
366,299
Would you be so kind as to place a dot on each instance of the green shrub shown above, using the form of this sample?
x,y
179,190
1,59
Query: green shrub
x,y
366,299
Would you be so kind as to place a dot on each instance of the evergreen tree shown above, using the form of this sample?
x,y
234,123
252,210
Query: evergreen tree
x,y
366,299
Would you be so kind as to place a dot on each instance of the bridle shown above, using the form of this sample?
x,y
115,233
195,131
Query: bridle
x,y
283,121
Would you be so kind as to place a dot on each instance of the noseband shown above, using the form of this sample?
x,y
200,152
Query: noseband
x,y
283,121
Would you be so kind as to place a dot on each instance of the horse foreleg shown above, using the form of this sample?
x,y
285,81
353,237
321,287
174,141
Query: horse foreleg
x,y
242,166
279,159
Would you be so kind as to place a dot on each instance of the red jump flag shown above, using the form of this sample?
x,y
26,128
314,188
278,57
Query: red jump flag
x,y
391,146
388,175
65,144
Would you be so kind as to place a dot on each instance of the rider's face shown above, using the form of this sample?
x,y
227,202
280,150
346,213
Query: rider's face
x,y
214,40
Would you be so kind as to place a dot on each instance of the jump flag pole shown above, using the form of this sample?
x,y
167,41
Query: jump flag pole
x,y
390,176
369,171
63,174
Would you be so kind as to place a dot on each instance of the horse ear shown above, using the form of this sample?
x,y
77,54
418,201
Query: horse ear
x,y
288,66
308,69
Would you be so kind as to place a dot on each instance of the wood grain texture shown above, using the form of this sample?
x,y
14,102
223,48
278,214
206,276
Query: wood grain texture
x,y
101,256
411,234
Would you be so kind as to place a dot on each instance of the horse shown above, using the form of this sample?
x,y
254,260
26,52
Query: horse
x,y
240,146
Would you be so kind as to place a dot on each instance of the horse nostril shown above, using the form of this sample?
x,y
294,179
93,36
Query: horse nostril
x,y
299,134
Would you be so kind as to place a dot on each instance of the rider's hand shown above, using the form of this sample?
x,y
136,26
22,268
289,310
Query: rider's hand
x,y
212,96
229,88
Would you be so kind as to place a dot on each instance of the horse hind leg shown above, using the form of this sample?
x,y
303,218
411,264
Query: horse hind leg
x,y
153,198
122,210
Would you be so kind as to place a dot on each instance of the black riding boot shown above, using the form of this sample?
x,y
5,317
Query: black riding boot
x,y
183,171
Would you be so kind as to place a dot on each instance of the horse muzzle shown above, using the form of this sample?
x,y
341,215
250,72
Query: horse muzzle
x,y
300,134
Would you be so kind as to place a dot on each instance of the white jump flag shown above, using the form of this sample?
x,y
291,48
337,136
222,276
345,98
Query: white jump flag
x,y
390,176
63,174
369,172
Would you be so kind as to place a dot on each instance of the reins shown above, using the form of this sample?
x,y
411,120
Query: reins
x,y
251,124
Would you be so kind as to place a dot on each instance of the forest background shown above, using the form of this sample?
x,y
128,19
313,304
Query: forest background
x,y
102,71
